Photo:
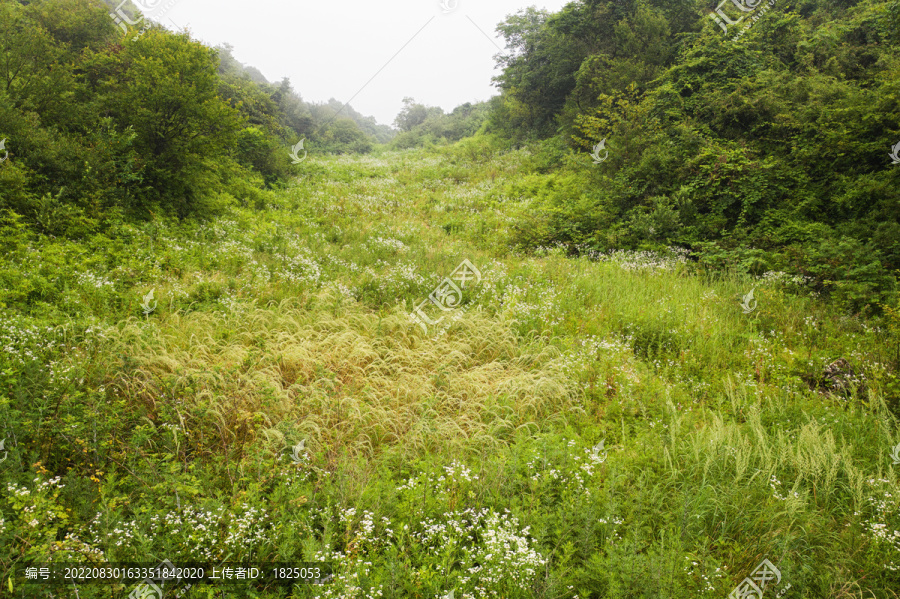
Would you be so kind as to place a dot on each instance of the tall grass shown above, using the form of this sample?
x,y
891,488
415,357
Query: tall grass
x,y
172,431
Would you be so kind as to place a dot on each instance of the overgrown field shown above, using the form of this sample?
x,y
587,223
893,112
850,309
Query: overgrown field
x,y
467,460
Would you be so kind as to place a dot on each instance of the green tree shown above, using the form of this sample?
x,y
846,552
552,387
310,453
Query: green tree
x,y
165,88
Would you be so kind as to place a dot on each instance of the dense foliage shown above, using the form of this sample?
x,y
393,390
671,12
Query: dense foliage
x,y
140,426
422,125
206,351
766,147
99,125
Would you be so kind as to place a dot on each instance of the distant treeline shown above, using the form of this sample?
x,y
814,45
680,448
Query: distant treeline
x,y
99,125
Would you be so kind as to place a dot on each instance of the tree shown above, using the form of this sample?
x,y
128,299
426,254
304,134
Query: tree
x,y
410,115
165,88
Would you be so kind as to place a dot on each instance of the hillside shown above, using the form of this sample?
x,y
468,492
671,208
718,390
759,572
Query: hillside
x,y
769,143
169,433
462,362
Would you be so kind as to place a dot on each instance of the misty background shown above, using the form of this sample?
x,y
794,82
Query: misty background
x,y
332,49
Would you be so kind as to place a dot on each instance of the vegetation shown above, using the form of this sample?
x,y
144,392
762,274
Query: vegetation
x,y
163,126
428,126
207,351
766,148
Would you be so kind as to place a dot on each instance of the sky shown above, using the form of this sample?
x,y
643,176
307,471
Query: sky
x,y
377,51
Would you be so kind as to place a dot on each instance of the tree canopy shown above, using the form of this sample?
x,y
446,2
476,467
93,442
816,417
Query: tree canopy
x,y
766,146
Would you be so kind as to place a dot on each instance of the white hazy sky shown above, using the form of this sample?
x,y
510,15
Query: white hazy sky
x,y
332,48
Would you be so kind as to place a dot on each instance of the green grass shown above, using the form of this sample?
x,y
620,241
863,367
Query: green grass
x,y
434,462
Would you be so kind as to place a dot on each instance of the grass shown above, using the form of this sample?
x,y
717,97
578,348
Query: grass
x,y
434,462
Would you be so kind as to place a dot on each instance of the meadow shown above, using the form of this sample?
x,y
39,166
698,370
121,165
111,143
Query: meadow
x,y
596,426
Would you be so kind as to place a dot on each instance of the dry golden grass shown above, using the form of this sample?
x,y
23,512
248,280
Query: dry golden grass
x,y
360,381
